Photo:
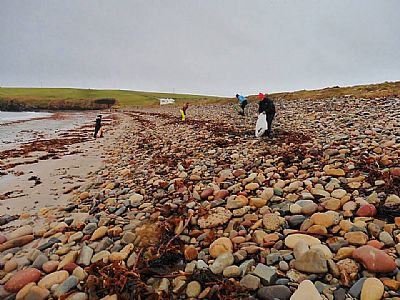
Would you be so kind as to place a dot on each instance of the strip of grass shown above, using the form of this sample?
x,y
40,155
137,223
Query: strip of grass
x,y
369,91
69,98
45,98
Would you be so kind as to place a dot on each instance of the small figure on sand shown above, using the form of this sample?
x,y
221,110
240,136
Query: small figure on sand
x,y
98,130
266,106
242,102
183,111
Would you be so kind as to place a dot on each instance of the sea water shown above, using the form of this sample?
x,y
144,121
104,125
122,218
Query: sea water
x,y
9,116
18,128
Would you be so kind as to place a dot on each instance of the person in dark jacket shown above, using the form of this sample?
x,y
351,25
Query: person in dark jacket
x,y
97,126
266,105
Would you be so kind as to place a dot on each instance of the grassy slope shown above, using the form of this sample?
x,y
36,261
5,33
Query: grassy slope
x,y
41,96
386,89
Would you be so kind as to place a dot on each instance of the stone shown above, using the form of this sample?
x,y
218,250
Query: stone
x,y
258,236
267,194
217,216
292,239
267,274
246,266
250,282
357,238
40,261
50,266
37,293
339,193
367,210
306,290
372,289
85,256
99,233
324,249
77,296
221,194
392,284
345,252
22,278
300,249
84,195
10,265
355,289
110,297
320,192
252,186
102,255
75,237
70,267
89,228
334,172
80,273
313,261
136,199
164,285
220,245
54,278
258,202
24,230
323,219
271,221
193,289
392,200
237,202
22,292
386,238
284,266
17,242
280,292
332,204
69,258
206,193
3,239
295,209
70,283
339,294
190,253
309,208
231,271
223,260
273,258
374,260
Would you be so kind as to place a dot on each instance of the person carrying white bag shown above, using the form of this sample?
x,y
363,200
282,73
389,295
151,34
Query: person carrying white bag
x,y
266,106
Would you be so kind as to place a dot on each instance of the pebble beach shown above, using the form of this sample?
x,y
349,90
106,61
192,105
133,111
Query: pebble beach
x,y
202,209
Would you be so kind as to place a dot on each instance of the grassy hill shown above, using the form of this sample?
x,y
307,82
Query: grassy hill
x,y
68,98
386,89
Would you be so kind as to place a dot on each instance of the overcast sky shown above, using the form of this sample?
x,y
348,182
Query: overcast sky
x,y
213,47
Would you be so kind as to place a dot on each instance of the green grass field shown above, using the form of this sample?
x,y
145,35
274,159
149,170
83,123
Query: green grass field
x,y
68,98
386,89
45,98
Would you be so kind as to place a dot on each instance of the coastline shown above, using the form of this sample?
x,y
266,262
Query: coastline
x,y
175,201
45,173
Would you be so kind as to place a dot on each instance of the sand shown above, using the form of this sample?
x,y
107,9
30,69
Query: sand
x,y
38,180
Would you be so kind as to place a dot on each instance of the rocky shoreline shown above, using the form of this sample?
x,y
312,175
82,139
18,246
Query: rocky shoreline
x,y
204,210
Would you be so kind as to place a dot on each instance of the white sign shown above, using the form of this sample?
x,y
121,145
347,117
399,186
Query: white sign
x,y
164,101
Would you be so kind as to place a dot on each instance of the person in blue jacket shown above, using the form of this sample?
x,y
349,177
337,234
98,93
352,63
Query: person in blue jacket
x,y
242,102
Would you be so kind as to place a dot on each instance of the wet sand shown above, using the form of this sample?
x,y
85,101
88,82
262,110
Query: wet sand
x,y
32,180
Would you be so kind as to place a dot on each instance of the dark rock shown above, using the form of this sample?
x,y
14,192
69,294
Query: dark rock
x,y
280,292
